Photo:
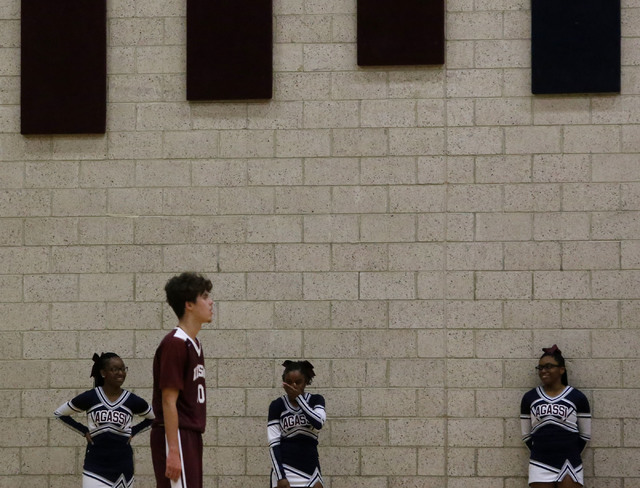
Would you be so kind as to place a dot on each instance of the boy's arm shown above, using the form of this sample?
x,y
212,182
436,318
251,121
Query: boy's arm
x,y
170,414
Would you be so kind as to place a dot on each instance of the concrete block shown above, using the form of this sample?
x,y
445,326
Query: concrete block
x,y
428,373
426,83
387,285
331,344
474,140
302,315
389,461
359,432
467,83
274,228
474,256
503,169
555,226
474,373
532,139
331,171
515,285
245,315
561,284
460,343
468,314
359,199
510,343
387,113
388,343
592,139
388,171
614,167
503,111
503,53
418,199
387,228
537,314
504,227
412,432
560,111
303,200
416,314
274,286
606,284
432,227
475,432
474,25
359,314
474,198
331,286
359,257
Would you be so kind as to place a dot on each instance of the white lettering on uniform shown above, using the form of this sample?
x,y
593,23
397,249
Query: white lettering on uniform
x,y
110,416
198,372
293,420
550,409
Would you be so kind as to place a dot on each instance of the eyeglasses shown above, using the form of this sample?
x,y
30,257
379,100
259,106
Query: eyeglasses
x,y
119,370
547,367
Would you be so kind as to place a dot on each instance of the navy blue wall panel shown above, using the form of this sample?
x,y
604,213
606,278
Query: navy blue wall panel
x,y
575,46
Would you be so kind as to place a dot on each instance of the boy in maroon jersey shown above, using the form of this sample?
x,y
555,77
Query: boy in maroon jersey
x,y
179,391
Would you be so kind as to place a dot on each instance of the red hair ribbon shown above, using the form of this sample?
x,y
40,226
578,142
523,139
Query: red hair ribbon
x,y
552,350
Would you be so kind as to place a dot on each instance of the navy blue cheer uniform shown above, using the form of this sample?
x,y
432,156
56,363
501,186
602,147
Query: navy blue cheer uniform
x,y
556,430
293,439
108,461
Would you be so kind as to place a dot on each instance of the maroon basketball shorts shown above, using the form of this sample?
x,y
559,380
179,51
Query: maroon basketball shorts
x,y
190,454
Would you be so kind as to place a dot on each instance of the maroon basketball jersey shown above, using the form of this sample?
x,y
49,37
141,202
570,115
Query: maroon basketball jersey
x,y
179,363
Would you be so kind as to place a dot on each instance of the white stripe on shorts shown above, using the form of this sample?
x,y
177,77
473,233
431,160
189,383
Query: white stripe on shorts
x,y
182,481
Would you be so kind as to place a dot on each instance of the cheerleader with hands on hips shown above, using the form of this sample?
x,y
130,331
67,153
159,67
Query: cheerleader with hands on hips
x,y
108,461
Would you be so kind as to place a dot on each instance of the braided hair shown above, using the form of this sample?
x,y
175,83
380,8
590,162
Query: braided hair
x,y
100,363
305,368
556,354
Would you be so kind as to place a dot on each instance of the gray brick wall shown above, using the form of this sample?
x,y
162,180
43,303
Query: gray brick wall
x,y
419,233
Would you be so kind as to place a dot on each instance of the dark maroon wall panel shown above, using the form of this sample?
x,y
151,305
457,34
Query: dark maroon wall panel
x,y
575,46
63,87
400,32
229,49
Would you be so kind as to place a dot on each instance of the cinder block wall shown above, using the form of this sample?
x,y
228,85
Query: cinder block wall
x,y
417,233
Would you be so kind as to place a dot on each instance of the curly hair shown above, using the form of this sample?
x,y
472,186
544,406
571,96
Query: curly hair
x,y
184,288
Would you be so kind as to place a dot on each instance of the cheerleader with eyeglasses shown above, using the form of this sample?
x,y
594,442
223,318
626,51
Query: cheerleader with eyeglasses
x,y
556,426
108,461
